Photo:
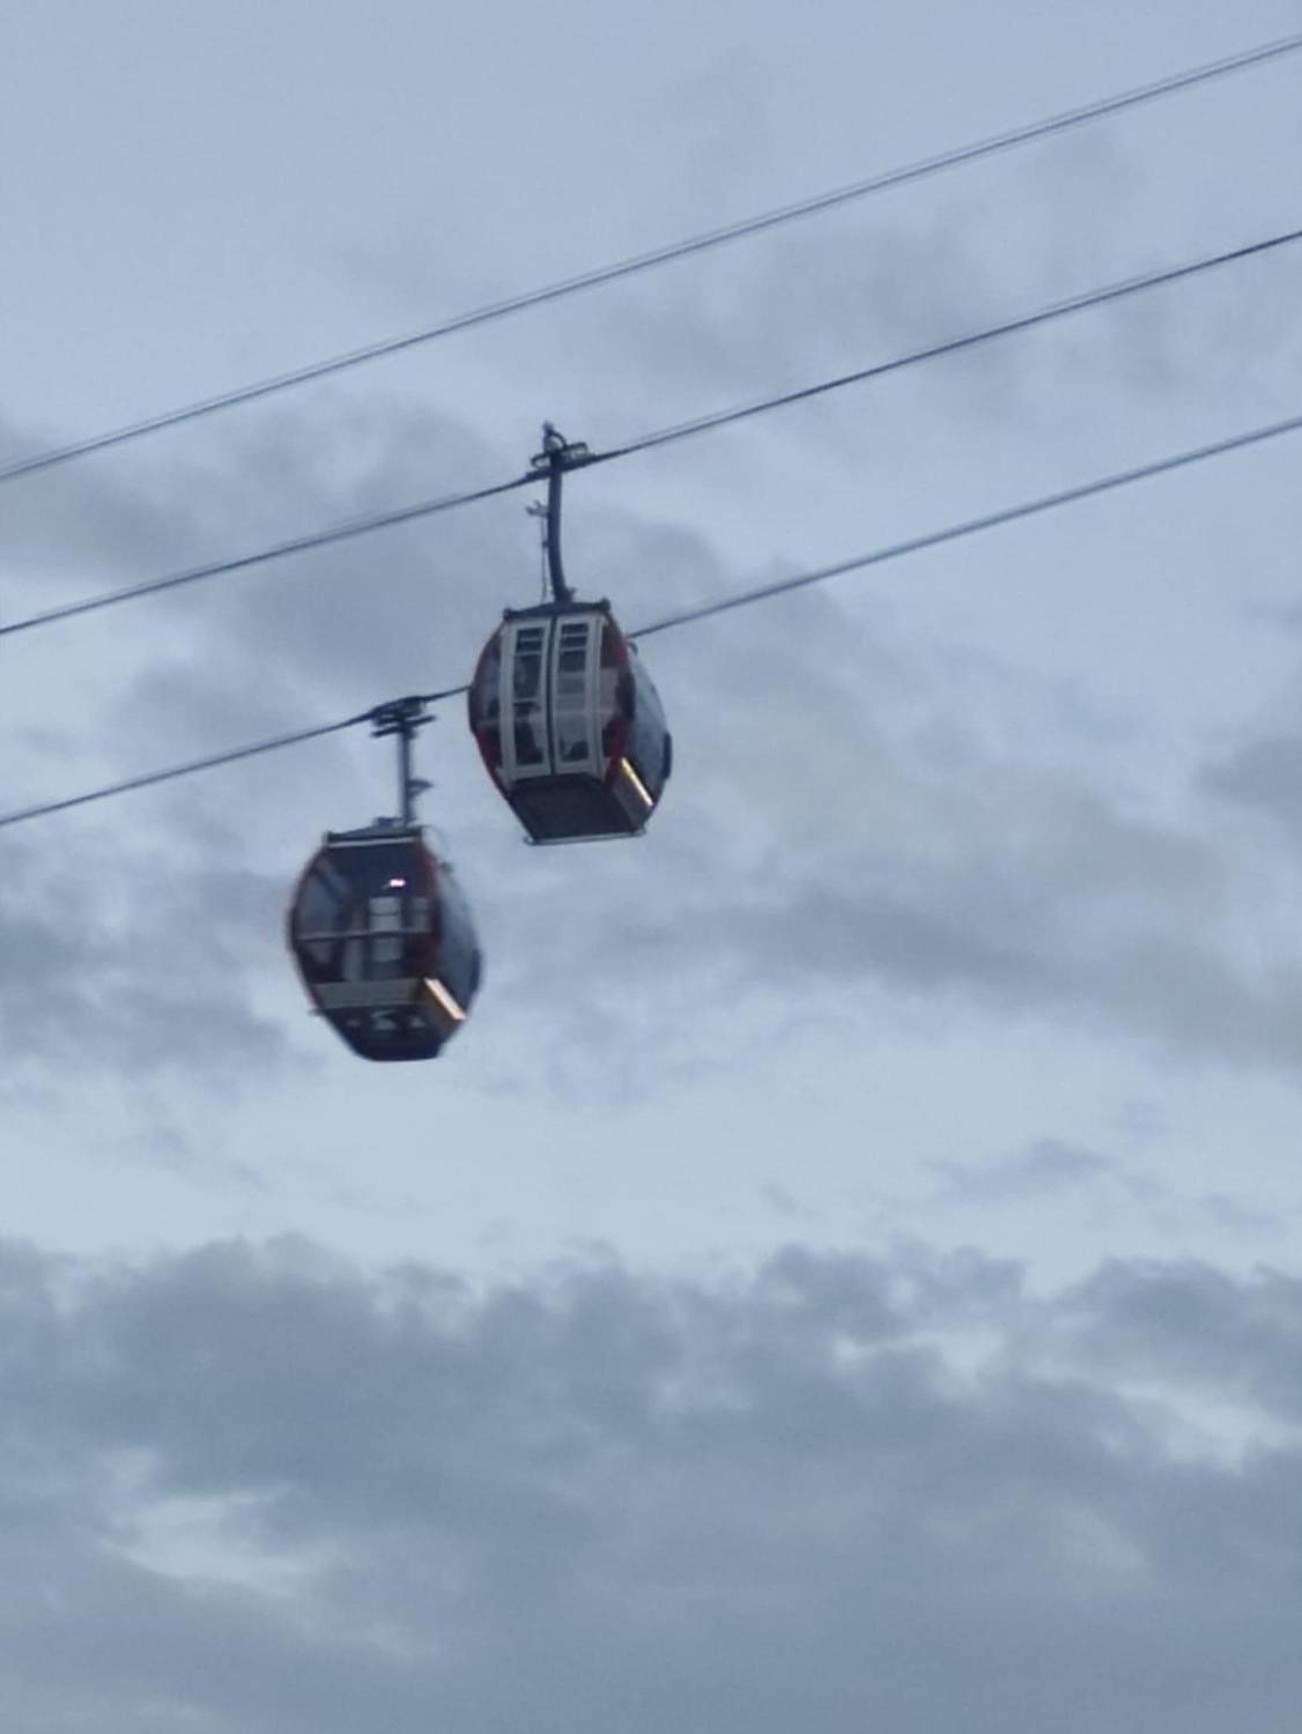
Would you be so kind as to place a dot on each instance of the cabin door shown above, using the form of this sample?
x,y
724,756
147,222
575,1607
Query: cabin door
x,y
549,689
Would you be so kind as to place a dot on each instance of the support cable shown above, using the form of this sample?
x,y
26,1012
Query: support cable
x,y
262,556
975,151
377,521
975,526
876,557
150,778
949,346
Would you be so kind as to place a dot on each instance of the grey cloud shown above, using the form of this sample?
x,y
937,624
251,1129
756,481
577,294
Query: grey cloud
x,y
1235,1217
1190,345
96,524
1081,1178
1023,894
593,1498
345,609
1265,776
1193,1324
123,959
1047,1168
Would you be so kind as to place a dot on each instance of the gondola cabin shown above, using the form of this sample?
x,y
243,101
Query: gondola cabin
x,y
569,724
383,939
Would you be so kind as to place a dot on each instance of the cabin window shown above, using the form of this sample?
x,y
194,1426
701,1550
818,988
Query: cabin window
x,y
386,961
490,687
570,700
526,689
318,907
317,919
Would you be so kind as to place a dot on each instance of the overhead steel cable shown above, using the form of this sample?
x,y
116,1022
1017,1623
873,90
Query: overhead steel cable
x,y
954,345
989,146
743,599
150,779
277,551
975,526
377,521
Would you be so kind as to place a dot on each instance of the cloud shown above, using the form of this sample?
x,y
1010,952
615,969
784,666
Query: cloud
x,y
1189,1323
96,524
1263,775
133,960
1048,1168
1097,1189
978,882
255,1488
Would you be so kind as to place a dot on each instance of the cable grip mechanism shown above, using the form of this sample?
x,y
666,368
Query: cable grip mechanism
x,y
558,456
403,718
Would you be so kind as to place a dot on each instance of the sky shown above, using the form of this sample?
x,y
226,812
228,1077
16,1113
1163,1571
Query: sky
x,y
846,1271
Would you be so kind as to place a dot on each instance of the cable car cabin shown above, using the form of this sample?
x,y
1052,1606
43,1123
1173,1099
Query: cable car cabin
x,y
384,942
569,724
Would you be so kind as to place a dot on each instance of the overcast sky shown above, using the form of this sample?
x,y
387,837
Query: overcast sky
x,y
842,1275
